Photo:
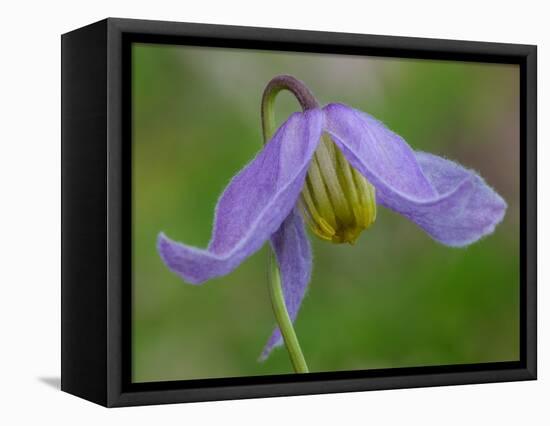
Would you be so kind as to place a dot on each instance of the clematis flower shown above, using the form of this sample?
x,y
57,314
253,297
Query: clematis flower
x,y
331,167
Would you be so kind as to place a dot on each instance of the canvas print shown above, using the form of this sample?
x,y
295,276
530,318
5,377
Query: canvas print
x,y
301,212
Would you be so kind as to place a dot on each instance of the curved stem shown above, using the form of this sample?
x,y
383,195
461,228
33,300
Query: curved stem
x,y
283,82
307,101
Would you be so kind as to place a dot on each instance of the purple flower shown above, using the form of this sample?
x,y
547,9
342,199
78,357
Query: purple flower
x,y
331,166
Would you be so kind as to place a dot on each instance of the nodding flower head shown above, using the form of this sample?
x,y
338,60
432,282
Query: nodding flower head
x,y
335,165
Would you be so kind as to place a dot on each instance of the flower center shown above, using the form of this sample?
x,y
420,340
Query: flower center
x,y
337,202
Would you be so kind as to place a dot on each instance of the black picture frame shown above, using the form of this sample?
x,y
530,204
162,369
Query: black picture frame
x,y
96,211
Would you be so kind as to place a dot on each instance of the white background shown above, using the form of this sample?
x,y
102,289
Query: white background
x,y
30,212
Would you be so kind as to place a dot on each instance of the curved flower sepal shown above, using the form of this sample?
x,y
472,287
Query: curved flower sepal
x,y
293,253
467,208
254,204
452,204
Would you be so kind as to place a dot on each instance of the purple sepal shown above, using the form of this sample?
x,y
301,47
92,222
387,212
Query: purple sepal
x,y
452,204
253,205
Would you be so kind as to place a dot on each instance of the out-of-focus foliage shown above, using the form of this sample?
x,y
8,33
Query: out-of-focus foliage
x,y
396,298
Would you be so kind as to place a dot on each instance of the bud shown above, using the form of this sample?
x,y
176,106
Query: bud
x,y
337,201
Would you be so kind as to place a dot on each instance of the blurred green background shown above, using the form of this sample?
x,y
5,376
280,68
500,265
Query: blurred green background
x,y
396,298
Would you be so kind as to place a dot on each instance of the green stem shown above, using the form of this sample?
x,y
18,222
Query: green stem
x,y
307,101
283,319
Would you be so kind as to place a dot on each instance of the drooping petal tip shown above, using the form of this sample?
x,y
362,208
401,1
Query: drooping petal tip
x,y
179,259
467,208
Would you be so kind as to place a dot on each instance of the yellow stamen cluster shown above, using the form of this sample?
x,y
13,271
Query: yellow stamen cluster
x,y
337,202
